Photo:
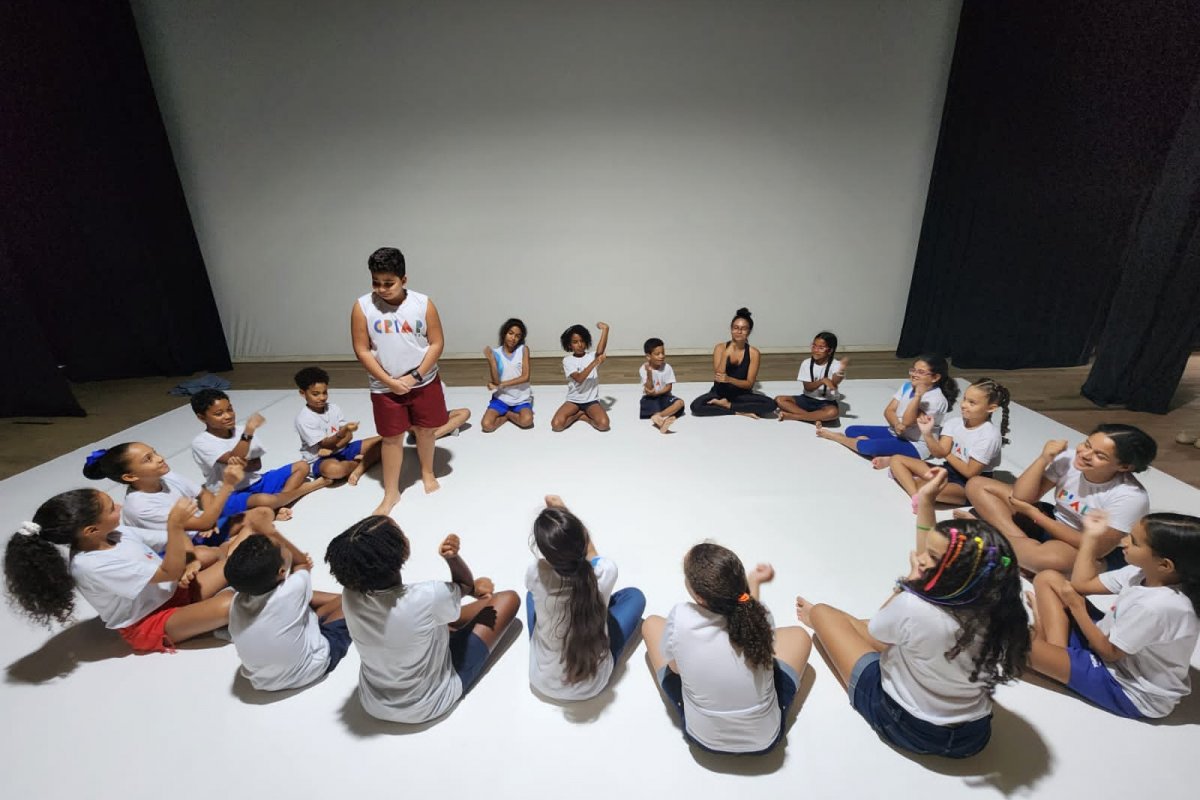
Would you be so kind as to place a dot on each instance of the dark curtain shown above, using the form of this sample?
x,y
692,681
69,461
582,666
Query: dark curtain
x,y
1155,316
95,224
1056,126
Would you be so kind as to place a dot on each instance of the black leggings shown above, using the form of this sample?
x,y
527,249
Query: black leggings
x,y
744,403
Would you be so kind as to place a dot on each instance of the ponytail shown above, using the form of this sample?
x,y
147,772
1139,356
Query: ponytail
x,y
997,394
108,463
716,576
36,574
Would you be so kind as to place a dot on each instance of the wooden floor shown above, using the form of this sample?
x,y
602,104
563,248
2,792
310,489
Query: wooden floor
x,y
115,405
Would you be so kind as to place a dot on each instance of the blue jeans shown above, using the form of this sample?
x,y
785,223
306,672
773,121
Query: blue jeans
x,y
897,726
625,609
880,441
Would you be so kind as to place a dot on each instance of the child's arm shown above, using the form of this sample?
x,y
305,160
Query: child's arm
x,y
1033,483
939,447
213,504
174,558
913,409
298,558
522,378
648,385
339,439
489,357
1085,578
460,573
889,414
762,573
582,374
360,339
603,326
241,449
836,378
926,497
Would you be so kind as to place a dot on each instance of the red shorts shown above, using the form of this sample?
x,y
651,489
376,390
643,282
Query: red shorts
x,y
424,408
149,634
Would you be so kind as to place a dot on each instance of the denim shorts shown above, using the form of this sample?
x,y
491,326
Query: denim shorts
x,y
902,729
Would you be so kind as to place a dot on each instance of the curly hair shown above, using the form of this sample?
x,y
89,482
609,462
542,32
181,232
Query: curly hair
x,y
37,576
309,376
513,322
562,539
977,581
253,567
716,576
368,555
584,333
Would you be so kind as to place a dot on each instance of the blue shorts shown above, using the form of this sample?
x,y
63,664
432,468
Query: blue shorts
x,y
902,729
501,407
1092,681
656,405
786,684
347,453
338,636
468,655
269,483
812,403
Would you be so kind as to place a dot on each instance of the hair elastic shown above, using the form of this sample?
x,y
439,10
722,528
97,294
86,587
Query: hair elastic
x,y
924,527
95,456
743,598
29,529
952,551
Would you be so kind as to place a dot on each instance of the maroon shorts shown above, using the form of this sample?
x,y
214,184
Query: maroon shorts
x,y
149,634
424,407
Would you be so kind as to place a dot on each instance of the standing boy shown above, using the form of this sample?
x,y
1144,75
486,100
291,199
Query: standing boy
x,y
397,336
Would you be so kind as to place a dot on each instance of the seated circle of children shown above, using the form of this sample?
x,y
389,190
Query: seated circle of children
x,y
421,650
578,626
970,446
583,379
1098,475
658,404
735,370
929,390
922,670
327,440
728,674
223,439
152,488
286,635
508,379
397,337
1133,660
819,376
152,601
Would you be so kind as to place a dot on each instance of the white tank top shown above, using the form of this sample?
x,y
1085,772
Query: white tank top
x,y
509,368
399,336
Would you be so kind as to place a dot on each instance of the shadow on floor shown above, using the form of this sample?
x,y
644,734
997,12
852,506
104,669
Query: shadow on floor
x,y
1013,762
62,654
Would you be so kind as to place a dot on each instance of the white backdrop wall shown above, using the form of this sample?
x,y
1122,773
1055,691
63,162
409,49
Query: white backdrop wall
x,y
654,164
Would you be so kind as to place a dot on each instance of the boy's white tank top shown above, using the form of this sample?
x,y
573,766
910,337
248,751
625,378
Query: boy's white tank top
x,y
508,369
399,335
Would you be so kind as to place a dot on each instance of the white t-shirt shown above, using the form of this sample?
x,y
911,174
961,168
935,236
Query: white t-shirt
x,y
914,668
981,443
1157,627
116,581
933,403
551,600
1123,498
150,509
403,643
810,372
662,377
206,449
510,367
313,428
727,705
589,389
399,336
278,636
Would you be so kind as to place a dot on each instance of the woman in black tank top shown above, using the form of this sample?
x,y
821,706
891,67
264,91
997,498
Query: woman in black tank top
x,y
735,368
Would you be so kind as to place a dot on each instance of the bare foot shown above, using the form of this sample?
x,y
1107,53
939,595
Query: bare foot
x,y
881,462
720,402
283,515
352,478
749,414
667,422
804,611
385,507
656,421
431,484
824,434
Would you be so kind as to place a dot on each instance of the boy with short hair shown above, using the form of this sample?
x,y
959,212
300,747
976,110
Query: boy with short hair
x,y
397,337
286,635
327,441
658,404
223,439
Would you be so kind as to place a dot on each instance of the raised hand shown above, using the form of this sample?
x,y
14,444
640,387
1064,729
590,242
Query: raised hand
x,y
448,549
1052,448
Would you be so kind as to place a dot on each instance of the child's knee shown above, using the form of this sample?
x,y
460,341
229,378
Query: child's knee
x,y
300,468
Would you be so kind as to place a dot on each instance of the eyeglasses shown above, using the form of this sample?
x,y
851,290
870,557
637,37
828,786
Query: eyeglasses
x,y
920,373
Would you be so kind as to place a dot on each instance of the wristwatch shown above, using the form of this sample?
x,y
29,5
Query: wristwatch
x,y
415,372
245,437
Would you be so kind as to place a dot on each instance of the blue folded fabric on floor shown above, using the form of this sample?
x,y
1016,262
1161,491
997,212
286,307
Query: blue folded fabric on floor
x,y
191,387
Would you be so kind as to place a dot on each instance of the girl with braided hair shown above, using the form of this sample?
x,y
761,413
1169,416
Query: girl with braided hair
x,y
578,626
969,446
728,674
923,669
